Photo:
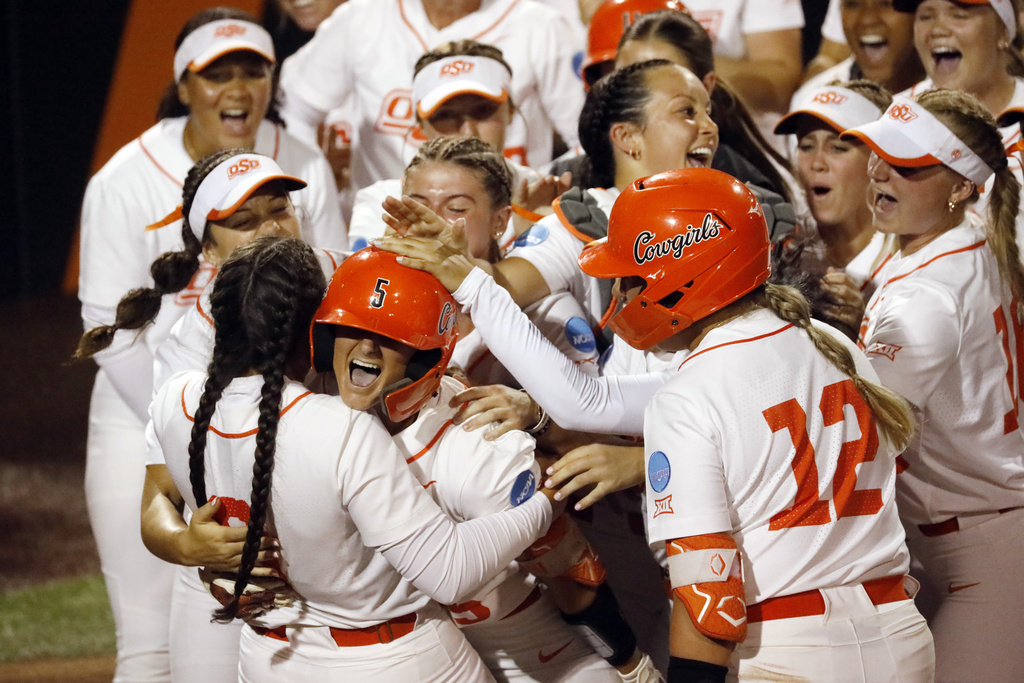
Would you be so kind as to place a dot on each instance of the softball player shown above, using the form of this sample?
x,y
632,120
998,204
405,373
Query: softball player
x,y
377,329
834,177
944,330
357,617
344,60
881,39
136,188
802,577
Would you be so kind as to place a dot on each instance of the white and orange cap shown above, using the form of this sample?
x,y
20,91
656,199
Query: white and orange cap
x,y
439,81
838,107
218,38
229,184
910,135
1004,8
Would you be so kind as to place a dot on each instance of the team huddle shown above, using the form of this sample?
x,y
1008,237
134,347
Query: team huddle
x,y
521,340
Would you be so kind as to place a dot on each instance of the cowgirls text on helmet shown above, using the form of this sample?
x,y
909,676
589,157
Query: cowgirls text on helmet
x,y
371,291
698,239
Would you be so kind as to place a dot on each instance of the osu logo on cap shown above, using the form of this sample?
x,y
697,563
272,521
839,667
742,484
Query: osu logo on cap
x,y
456,68
830,97
902,112
229,30
243,166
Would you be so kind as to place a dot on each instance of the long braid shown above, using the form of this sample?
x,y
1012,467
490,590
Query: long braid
x,y
172,271
619,97
272,288
890,411
974,125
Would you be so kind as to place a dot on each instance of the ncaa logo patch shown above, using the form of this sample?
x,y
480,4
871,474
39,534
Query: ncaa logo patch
x,y
523,488
659,472
532,237
579,334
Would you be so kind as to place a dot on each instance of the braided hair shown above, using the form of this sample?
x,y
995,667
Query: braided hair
x,y
619,97
263,300
890,411
171,271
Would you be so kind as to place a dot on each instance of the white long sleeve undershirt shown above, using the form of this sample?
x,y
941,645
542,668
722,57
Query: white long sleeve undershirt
x,y
574,400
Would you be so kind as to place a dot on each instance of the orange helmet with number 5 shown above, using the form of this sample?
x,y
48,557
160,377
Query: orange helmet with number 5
x,y
698,239
371,291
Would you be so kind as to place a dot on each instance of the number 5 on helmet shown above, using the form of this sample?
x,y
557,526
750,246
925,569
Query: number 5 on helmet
x,y
706,575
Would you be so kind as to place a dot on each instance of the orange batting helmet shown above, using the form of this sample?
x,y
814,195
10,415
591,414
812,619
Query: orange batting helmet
x,y
608,24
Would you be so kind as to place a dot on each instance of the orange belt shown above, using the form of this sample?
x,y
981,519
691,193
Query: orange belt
x,y
950,525
811,603
385,632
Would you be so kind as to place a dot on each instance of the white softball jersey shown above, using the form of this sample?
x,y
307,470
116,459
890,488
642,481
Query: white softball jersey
x,y
554,252
728,21
340,489
367,49
940,332
759,436
469,477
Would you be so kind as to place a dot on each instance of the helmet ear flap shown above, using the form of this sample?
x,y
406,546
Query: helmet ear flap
x,y
321,343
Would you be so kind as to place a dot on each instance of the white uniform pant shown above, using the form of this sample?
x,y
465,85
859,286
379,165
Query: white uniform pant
x,y
201,650
972,592
853,642
138,583
536,645
434,652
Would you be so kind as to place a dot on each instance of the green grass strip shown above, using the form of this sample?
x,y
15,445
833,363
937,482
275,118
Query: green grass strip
x,y
65,619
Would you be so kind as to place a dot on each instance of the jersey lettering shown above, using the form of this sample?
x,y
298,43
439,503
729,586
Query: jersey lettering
x,y
1014,369
478,611
232,512
808,509
396,113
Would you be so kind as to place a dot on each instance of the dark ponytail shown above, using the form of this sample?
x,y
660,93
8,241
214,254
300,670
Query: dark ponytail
x,y
263,301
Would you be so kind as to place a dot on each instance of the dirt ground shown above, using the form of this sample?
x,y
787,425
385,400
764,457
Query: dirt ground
x,y
44,400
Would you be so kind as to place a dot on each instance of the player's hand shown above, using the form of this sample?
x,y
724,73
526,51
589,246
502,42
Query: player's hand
x,y
540,193
338,153
500,407
409,218
603,467
443,262
209,544
843,299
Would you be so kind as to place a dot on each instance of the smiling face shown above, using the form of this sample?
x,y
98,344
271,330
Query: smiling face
x,y
471,114
453,191
959,45
678,131
914,202
267,211
227,101
880,37
365,364
833,173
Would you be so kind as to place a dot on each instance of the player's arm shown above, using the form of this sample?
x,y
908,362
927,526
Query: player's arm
x,y
708,610
770,73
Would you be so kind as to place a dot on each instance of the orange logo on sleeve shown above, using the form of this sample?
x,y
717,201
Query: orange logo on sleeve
x,y
887,350
663,506
230,31
456,68
242,167
902,113
830,97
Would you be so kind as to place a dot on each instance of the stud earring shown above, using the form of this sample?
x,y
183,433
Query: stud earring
x,y
635,153
952,205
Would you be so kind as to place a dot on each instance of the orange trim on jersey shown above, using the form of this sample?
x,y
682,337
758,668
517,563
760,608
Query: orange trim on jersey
x,y
876,272
738,341
477,37
526,213
428,484
430,444
972,247
242,435
199,307
158,166
557,206
166,220
334,261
